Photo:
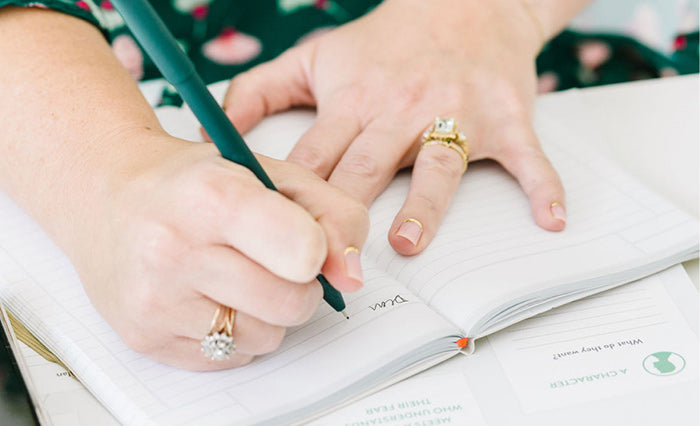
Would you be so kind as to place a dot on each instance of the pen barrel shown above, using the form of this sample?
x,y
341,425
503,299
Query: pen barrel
x,y
155,39
163,49
219,127
331,295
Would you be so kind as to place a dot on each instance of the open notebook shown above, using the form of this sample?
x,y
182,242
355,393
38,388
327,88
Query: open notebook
x,y
488,267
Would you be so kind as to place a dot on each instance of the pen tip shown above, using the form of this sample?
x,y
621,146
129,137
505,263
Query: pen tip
x,y
344,314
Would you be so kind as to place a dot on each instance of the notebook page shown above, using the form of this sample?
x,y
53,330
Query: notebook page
x,y
614,333
40,287
562,368
489,253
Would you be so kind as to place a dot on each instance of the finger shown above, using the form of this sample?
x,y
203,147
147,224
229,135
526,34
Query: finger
x,y
369,164
250,335
524,159
436,175
320,148
344,220
186,353
270,87
263,225
231,279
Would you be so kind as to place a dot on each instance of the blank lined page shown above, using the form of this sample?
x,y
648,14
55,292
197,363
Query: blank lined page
x,y
489,253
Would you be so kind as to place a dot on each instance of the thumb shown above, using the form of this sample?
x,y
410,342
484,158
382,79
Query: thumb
x,y
523,157
270,87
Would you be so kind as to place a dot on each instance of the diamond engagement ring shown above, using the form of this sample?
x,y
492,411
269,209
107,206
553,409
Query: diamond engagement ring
x,y
444,132
218,344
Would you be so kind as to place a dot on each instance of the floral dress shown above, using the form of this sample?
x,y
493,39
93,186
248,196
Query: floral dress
x,y
225,37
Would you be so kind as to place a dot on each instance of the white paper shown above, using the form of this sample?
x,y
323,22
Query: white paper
x,y
436,397
622,341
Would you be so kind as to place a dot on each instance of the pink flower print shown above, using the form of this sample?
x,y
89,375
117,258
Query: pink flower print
x,y
129,54
196,8
106,15
680,42
81,4
200,12
547,82
232,47
667,72
330,7
593,54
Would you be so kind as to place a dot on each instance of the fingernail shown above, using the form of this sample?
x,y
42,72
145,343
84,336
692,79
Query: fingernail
x,y
411,229
558,211
353,267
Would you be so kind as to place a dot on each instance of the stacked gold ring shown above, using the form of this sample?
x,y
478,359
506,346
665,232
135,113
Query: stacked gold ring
x,y
444,132
218,343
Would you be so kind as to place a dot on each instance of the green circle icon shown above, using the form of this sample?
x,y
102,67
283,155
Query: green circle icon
x,y
663,363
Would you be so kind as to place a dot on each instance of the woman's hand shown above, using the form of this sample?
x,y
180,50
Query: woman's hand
x,y
186,231
161,231
380,81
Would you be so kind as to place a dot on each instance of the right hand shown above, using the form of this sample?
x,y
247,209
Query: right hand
x,y
186,231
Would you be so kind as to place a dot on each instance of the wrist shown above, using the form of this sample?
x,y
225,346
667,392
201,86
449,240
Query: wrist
x,y
511,22
553,15
528,9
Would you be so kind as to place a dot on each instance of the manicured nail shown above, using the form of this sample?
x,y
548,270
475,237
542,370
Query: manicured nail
x,y
411,229
558,211
353,267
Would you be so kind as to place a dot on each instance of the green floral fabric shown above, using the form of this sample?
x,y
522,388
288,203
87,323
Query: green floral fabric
x,y
225,37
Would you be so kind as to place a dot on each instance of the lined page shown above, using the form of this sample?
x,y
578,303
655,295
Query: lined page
x,y
621,342
41,288
489,254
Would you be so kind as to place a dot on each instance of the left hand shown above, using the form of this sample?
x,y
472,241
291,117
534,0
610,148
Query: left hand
x,y
379,81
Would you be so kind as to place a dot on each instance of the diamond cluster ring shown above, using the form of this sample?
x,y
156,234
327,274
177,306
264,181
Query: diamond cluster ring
x,y
218,344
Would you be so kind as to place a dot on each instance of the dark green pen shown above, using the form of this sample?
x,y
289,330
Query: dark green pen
x,y
159,44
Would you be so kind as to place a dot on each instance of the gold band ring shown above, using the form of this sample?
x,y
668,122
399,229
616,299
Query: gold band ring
x,y
444,132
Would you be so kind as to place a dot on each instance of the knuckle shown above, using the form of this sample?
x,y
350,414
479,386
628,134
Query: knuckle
x,y
451,96
357,212
145,301
299,304
442,160
242,81
218,191
137,340
243,360
360,165
311,158
311,253
158,248
512,105
272,340
429,205
520,154
412,92
349,213
206,186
